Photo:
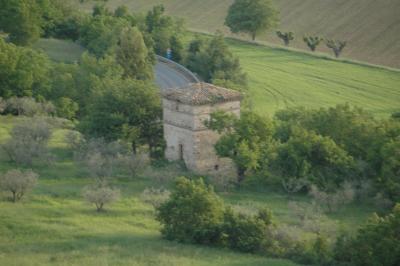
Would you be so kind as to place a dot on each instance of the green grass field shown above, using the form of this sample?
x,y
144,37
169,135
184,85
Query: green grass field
x,y
279,78
372,28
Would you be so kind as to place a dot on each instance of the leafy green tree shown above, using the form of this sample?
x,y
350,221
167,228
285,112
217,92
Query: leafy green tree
x,y
133,56
336,46
251,16
166,32
193,214
212,60
21,19
23,71
286,37
100,34
312,42
389,179
376,243
244,139
121,103
316,158
66,108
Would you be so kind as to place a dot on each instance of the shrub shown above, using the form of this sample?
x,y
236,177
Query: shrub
x,y
29,140
331,202
155,196
66,108
29,107
100,194
245,233
18,183
3,105
376,243
193,214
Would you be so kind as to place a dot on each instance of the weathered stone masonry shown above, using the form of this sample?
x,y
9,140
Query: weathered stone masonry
x,y
187,138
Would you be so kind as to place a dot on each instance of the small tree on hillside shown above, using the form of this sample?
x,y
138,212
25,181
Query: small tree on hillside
x,y
18,183
28,141
100,195
336,46
251,16
285,36
312,42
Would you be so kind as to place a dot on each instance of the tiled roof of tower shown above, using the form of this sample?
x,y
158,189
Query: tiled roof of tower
x,y
201,93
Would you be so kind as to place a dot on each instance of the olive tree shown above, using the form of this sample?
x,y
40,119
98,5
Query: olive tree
x,y
28,141
312,42
18,183
336,46
286,37
101,194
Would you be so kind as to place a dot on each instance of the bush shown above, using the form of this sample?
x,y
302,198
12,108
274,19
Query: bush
x,y
100,194
18,183
245,233
3,105
376,243
193,214
331,202
155,196
28,141
29,107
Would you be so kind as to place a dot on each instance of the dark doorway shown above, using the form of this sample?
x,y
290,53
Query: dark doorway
x,y
181,152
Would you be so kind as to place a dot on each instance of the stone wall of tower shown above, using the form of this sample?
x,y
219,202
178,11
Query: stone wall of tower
x,y
187,138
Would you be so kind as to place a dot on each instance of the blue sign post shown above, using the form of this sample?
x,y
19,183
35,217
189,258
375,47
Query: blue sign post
x,y
169,53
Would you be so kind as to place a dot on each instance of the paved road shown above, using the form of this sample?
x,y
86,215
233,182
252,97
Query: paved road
x,y
167,77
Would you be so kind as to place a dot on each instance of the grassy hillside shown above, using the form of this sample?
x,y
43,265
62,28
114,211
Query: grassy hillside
x,y
54,226
279,78
372,28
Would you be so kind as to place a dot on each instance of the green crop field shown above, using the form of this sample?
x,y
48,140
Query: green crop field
x,y
279,78
54,226
372,28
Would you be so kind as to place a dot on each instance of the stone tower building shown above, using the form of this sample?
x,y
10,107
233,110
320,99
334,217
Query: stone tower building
x,y
188,139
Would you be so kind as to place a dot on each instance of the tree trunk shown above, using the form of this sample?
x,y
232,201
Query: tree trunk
x,y
253,36
14,198
134,148
240,173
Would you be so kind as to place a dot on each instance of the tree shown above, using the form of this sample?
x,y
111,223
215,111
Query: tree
x,y
66,108
125,103
376,243
316,158
212,60
193,213
23,71
389,179
133,56
312,42
245,140
166,32
18,183
28,141
336,46
100,195
251,16
285,36
21,19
